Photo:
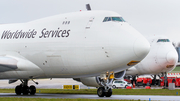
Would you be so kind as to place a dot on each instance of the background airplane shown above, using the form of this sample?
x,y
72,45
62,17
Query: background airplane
x,y
162,58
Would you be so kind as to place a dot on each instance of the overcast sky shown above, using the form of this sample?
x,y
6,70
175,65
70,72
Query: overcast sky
x,y
150,17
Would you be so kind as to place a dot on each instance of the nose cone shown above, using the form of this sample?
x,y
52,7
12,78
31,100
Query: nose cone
x,y
141,47
172,57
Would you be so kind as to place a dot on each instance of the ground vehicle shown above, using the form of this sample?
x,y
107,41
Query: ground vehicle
x,y
143,81
120,83
170,80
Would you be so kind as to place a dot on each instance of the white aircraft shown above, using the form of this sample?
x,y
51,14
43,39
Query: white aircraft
x,y
162,58
72,45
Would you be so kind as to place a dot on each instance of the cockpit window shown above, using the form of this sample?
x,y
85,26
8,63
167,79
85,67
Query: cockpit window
x,y
105,19
163,40
109,19
118,19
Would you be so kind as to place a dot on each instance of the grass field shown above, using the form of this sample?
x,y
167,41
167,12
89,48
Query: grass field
x,y
42,99
176,70
115,91
164,92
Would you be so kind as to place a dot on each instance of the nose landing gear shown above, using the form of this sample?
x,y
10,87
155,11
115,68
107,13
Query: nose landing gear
x,y
106,82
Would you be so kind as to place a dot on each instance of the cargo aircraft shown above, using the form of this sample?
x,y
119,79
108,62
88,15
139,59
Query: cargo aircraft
x,y
162,58
72,45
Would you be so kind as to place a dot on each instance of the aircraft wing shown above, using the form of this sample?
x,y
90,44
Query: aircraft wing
x,y
7,64
19,65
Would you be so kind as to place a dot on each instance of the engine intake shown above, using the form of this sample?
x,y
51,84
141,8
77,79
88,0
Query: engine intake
x,y
120,75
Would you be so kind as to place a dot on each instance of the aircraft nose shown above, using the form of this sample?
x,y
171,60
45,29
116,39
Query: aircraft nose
x,y
172,57
141,47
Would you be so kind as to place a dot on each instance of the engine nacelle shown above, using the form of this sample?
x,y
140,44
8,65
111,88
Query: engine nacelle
x,y
90,81
120,75
96,81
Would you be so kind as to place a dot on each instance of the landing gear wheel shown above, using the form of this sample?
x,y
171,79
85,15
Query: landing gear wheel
x,y
109,93
32,90
18,90
25,90
101,92
114,87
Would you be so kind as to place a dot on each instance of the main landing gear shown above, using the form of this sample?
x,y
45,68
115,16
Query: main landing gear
x,y
106,82
24,89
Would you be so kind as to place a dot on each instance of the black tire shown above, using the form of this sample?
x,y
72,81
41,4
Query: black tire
x,y
18,90
25,90
114,87
109,93
32,90
125,86
101,92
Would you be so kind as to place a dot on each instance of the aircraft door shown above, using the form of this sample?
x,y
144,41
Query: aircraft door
x,y
89,22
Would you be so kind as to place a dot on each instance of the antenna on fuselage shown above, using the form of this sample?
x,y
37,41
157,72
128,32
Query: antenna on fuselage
x,y
88,7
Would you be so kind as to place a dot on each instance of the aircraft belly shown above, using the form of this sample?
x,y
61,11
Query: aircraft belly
x,y
73,61
78,62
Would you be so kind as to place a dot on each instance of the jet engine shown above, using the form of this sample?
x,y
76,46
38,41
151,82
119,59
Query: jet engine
x,y
90,81
97,81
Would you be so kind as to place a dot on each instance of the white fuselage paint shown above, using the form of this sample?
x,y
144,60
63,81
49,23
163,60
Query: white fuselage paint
x,y
76,44
161,56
